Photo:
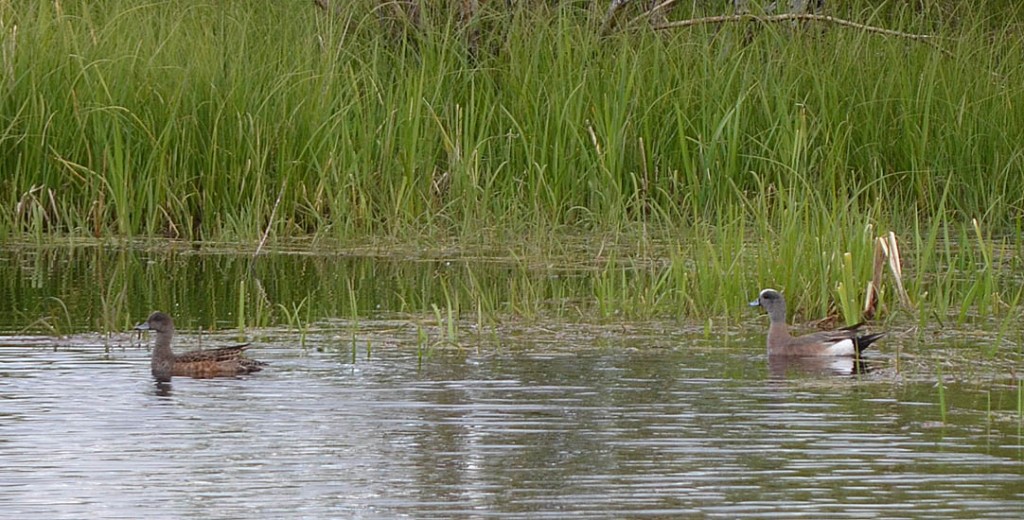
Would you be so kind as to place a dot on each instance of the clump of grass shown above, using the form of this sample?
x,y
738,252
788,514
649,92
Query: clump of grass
x,y
295,321
767,155
222,122
447,323
241,317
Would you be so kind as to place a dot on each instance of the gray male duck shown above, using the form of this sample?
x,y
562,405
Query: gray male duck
x,y
841,342
217,362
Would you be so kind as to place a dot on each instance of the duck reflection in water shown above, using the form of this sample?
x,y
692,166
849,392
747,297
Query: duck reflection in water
x,y
163,389
779,367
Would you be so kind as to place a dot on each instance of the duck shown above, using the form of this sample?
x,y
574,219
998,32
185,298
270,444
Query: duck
x,y
847,341
199,364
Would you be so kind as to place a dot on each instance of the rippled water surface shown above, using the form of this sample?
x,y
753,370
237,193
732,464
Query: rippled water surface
x,y
378,403
656,424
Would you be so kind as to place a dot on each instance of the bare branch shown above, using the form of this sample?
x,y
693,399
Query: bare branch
x,y
791,17
611,16
926,38
650,12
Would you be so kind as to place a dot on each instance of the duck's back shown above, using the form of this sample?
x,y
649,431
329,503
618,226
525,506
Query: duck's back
x,y
224,361
213,354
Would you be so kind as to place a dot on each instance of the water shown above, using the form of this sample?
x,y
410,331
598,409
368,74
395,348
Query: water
x,y
653,426
381,416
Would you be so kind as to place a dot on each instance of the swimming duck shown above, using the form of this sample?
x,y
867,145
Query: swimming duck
x,y
840,342
218,362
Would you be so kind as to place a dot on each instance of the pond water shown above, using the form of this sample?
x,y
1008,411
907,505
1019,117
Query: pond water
x,y
381,417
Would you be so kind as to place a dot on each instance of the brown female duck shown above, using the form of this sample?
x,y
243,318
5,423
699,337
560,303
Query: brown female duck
x,y
218,362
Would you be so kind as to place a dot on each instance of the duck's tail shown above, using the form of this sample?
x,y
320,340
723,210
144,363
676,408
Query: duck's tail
x,y
863,342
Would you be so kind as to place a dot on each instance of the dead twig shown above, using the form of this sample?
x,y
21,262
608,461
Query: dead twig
x,y
611,16
270,223
711,20
892,252
886,248
655,9
790,17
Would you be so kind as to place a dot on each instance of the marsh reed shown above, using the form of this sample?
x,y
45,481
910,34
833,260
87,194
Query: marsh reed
x,y
769,154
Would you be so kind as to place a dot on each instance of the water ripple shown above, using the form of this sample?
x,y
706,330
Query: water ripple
x,y
508,434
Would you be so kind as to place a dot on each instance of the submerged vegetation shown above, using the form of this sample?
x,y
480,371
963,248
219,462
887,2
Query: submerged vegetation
x,y
694,165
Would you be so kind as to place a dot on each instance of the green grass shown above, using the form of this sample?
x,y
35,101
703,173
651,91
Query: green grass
x,y
762,155
63,290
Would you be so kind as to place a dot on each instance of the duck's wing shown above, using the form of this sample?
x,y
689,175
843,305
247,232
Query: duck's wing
x,y
206,368
825,343
841,342
213,354
217,362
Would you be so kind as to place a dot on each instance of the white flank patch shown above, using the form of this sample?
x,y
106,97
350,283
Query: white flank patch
x,y
841,348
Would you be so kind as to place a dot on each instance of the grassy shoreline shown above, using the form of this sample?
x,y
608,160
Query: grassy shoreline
x,y
702,280
767,152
